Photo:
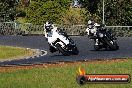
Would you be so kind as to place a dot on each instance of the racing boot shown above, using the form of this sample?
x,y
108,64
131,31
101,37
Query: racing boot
x,y
52,49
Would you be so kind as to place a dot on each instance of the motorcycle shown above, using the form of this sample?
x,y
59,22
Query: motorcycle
x,y
60,41
104,39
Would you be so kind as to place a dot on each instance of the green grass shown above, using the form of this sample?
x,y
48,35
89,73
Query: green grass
x,y
7,52
64,76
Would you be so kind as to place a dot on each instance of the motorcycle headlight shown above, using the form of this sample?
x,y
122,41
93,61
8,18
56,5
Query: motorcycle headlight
x,y
101,35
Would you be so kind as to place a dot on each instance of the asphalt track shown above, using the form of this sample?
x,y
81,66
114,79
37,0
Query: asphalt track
x,y
84,45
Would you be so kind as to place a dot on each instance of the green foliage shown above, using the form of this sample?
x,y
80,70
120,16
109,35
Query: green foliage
x,y
118,12
20,9
93,7
90,5
7,10
40,11
74,16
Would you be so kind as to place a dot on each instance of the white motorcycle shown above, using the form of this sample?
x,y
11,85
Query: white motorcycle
x,y
60,41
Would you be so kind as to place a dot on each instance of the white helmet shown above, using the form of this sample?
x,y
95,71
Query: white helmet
x,y
90,24
48,26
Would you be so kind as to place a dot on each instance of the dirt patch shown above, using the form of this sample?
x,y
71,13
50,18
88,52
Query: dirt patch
x,y
59,64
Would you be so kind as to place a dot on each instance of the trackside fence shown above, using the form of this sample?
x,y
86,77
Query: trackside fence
x,y
12,28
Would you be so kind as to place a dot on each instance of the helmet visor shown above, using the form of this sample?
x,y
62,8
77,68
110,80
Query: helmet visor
x,y
90,26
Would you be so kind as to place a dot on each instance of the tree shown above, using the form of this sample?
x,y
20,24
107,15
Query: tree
x,y
42,10
10,9
118,12
90,5
74,16
7,10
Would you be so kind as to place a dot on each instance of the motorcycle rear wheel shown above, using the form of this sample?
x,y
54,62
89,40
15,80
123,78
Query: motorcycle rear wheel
x,y
65,53
113,46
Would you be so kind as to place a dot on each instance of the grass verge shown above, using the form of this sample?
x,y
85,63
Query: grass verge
x,y
8,52
62,75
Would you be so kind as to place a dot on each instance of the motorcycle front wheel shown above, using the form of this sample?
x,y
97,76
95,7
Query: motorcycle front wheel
x,y
97,47
75,51
112,46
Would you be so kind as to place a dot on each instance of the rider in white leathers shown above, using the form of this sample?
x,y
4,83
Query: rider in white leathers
x,y
51,34
92,27
92,30
48,26
48,29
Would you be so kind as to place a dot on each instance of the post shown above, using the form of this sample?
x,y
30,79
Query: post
x,y
103,13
